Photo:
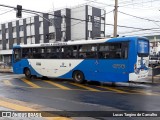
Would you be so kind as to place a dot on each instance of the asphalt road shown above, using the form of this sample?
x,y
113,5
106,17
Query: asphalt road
x,y
65,95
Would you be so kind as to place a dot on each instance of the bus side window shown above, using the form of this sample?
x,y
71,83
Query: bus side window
x,y
124,50
87,51
17,54
27,53
117,55
101,55
82,55
106,56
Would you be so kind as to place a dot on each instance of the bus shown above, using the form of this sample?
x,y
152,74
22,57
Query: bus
x,y
121,59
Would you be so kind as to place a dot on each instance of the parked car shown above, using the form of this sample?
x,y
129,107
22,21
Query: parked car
x,y
154,61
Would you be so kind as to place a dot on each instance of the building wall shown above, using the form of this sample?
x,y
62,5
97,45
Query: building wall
x,y
154,44
78,27
90,22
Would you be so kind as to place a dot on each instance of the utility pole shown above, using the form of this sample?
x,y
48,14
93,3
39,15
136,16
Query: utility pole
x,y
115,18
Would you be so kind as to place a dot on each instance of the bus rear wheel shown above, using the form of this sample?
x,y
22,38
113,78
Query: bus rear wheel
x,y
78,77
27,73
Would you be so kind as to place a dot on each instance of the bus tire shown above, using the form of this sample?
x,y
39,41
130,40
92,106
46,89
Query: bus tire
x,y
78,77
27,73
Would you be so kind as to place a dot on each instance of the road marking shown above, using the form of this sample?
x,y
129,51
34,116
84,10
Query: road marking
x,y
7,82
17,107
112,89
57,85
144,92
30,83
85,87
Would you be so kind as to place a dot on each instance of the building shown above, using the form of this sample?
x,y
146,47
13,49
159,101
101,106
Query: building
x,y
82,22
154,45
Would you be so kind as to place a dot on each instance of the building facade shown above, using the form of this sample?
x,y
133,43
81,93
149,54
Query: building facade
x,y
154,45
82,22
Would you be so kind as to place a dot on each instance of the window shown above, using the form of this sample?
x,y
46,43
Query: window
x,y
21,40
143,48
27,53
91,51
69,52
61,52
39,52
41,37
52,36
102,34
103,18
14,29
17,54
6,30
28,26
87,51
113,51
51,21
90,34
14,40
89,18
40,24
21,28
0,32
53,52
6,41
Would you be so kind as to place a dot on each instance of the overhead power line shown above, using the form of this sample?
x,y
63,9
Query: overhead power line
x,y
137,3
158,30
138,17
109,5
147,33
6,12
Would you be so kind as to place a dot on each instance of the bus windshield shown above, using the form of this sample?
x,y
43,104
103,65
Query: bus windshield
x,y
143,48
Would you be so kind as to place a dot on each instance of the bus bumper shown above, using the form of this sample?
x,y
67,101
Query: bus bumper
x,y
138,77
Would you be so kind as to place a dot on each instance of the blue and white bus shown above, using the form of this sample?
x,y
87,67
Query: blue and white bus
x,y
120,59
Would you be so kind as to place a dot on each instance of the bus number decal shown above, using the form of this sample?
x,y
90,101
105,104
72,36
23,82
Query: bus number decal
x,y
116,66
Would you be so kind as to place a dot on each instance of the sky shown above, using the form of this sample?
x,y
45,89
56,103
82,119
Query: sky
x,y
136,17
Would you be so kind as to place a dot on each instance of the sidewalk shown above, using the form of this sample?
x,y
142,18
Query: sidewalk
x,y
6,69
154,80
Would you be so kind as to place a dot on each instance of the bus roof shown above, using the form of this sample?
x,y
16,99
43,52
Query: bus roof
x,y
78,42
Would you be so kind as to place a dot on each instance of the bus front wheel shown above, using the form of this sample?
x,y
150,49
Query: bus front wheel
x,y
27,72
78,77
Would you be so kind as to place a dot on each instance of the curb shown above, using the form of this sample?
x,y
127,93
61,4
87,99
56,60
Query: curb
x,y
6,71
